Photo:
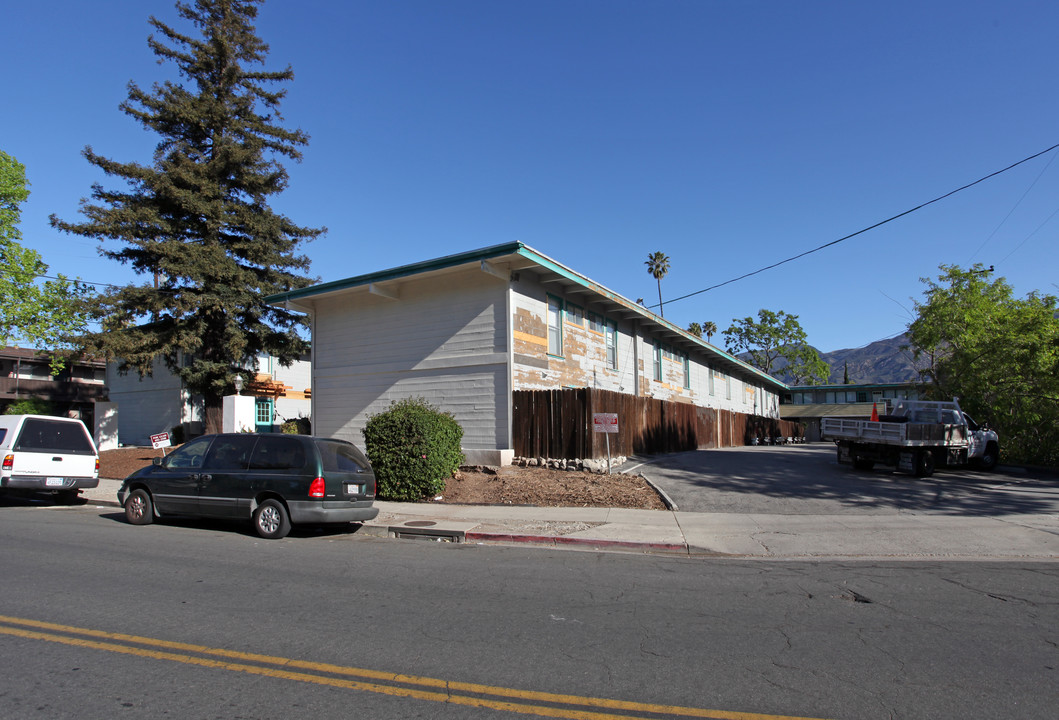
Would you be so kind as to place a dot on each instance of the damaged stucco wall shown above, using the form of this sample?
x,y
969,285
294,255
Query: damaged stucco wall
x,y
583,361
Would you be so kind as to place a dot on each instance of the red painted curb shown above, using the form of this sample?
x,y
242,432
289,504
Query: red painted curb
x,y
589,542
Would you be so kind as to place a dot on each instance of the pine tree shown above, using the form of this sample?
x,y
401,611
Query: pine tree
x,y
197,220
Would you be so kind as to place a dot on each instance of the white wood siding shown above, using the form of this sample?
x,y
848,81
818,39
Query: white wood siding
x,y
146,405
443,339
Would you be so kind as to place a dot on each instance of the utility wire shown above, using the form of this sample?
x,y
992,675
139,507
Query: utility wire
x,y
1014,208
861,232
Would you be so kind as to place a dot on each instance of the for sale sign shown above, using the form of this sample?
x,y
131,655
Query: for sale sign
x,y
161,440
605,422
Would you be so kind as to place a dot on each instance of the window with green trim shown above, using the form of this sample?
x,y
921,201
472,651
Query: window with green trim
x,y
555,326
687,372
575,315
596,323
658,362
612,345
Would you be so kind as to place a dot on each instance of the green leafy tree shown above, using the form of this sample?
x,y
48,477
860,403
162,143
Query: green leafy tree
x,y
695,329
776,343
197,219
973,339
710,328
46,315
658,266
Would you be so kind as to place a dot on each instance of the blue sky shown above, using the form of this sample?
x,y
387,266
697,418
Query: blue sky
x,y
728,135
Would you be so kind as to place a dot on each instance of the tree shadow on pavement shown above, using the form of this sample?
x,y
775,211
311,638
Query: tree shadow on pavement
x,y
807,479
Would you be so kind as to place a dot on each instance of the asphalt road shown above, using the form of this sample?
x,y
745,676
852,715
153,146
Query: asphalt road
x,y
333,625
807,480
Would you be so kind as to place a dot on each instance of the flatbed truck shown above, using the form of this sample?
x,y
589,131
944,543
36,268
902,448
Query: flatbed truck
x,y
916,437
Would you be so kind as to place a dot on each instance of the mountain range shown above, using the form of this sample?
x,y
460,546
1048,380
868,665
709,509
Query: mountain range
x,y
883,361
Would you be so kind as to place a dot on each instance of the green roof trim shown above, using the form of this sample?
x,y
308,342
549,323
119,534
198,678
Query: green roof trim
x,y
398,272
523,250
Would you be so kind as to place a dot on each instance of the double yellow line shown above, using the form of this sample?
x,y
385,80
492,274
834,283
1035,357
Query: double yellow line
x,y
525,702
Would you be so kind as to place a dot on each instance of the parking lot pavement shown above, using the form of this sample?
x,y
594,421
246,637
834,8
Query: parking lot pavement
x,y
807,480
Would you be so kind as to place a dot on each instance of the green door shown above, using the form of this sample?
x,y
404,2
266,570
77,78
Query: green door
x,y
264,411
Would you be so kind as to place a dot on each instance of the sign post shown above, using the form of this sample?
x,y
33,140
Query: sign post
x,y
605,423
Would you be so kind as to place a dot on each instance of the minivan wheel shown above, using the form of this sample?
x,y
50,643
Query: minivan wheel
x,y
138,509
271,520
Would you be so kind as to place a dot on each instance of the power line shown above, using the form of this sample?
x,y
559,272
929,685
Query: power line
x,y
861,232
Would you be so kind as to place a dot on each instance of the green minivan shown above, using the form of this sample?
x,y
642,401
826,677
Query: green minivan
x,y
272,479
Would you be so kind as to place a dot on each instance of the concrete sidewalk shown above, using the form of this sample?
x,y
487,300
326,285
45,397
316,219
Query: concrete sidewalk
x,y
906,536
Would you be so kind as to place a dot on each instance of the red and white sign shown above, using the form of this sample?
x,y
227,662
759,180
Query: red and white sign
x,y
605,422
160,440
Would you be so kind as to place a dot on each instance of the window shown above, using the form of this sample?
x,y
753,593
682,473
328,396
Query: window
x,y
658,363
263,411
595,323
230,452
278,452
687,372
709,374
189,455
340,457
575,315
612,345
555,326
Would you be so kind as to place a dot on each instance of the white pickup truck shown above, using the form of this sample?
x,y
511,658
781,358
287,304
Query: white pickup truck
x,y
916,437
44,454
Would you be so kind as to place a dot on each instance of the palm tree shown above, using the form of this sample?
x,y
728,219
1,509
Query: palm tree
x,y
658,265
709,327
695,329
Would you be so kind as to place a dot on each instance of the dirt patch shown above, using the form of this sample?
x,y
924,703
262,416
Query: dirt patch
x,y
545,487
509,485
120,463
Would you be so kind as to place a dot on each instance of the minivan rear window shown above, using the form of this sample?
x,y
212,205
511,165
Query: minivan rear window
x,y
341,457
43,435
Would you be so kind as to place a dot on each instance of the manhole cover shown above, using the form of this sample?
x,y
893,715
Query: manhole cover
x,y
420,523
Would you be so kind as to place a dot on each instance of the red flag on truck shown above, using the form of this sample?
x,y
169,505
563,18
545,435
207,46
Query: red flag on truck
x,y
874,412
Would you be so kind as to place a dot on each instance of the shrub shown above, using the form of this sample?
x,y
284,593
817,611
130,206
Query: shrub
x,y
176,435
29,406
297,426
413,448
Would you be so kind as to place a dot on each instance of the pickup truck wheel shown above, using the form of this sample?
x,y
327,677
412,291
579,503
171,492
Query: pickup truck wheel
x,y
988,460
925,464
67,497
271,520
863,463
138,508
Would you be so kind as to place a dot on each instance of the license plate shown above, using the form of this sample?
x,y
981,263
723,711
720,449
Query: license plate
x,y
353,489
54,482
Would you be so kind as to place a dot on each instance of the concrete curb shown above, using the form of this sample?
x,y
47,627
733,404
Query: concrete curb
x,y
586,543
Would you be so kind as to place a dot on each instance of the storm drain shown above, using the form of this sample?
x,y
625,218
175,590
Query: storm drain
x,y
426,530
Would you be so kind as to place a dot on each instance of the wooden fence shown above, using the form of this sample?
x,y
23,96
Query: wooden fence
x,y
558,424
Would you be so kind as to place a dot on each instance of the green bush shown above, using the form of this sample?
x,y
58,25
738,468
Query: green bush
x,y
29,406
297,426
413,448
